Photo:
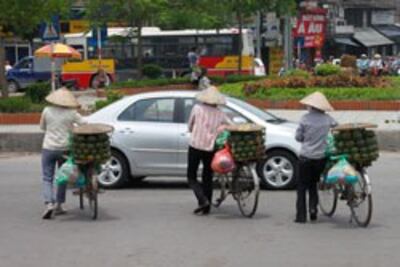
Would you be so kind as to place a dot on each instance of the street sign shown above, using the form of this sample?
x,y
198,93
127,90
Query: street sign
x,y
50,31
93,41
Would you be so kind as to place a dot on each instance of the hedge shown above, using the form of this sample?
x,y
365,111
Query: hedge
x,y
337,93
37,92
217,80
19,104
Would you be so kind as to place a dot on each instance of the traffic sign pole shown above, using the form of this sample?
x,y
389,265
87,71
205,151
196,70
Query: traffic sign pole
x,y
53,68
99,44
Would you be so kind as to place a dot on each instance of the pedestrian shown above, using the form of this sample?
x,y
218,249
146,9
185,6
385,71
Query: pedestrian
x,y
205,122
312,134
57,121
193,57
376,65
195,71
204,81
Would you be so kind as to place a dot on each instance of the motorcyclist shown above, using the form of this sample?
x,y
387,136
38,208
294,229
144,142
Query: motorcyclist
x,y
363,65
376,65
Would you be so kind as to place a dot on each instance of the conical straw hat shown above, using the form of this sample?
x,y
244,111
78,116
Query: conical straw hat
x,y
317,100
63,97
211,96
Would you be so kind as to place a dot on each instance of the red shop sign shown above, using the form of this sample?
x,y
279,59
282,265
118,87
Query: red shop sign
x,y
311,26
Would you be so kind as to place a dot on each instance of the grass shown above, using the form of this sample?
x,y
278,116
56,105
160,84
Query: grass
x,y
343,93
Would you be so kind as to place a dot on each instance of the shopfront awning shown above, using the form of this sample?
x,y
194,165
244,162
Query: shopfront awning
x,y
390,31
345,41
369,37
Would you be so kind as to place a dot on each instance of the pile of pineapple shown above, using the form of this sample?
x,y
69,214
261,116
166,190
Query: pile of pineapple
x,y
247,143
361,146
92,147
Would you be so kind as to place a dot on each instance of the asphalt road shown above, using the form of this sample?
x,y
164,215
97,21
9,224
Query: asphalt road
x,y
153,225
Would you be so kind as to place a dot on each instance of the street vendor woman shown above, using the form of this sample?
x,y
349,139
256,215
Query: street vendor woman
x,y
205,122
56,121
312,133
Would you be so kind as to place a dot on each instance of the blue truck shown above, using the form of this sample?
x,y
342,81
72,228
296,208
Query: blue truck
x,y
30,70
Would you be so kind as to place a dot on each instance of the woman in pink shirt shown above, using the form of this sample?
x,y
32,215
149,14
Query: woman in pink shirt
x,y
204,124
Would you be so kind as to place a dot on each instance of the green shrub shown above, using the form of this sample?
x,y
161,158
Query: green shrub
x,y
152,71
102,103
327,70
234,78
19,104
298,73
112,96
37,92
242,78
182,80
262,91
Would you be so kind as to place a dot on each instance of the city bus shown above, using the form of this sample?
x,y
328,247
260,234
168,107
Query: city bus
x,y
217,50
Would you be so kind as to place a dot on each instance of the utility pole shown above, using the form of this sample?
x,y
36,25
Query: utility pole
x,y
258,34
288,42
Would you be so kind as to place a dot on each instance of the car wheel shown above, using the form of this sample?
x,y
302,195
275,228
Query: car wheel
x,y
278,170
97,81
12,86
115,172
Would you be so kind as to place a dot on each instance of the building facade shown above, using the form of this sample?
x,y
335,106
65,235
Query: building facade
x,y
360,27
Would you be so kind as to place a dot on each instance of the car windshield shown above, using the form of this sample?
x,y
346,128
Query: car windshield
x,y
264,115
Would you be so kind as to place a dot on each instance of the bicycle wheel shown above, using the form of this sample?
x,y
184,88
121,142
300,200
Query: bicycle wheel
x,y
92,196
328,198
246,190
93,203
360,201
81,202
222,180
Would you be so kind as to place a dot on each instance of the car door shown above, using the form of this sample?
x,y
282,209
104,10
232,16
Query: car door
x,y
185,107
148,133
23,72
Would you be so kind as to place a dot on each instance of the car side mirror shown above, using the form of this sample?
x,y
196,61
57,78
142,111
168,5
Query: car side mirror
x,y
238,120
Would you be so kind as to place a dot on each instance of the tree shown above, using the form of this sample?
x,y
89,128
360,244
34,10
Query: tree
x,y
134,13
23,20
190,14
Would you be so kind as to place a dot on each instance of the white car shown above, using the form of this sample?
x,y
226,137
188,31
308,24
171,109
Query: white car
x,y
151,136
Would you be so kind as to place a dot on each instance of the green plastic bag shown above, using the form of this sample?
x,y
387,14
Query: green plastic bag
x,y
68,173
342,172
330,145
222,138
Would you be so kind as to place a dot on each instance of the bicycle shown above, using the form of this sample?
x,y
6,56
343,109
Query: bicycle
x,y
87,140
245,142
357,195
243,184
90,188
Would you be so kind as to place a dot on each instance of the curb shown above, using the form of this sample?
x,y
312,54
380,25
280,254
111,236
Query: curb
x,y
32,142
21,142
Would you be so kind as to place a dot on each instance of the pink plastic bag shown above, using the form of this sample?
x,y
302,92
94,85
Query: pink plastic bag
x,y
223,161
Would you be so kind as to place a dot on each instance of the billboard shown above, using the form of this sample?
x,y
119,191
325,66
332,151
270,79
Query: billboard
x,y
311,27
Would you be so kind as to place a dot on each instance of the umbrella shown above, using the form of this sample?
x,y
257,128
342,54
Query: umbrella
x,y
56,50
